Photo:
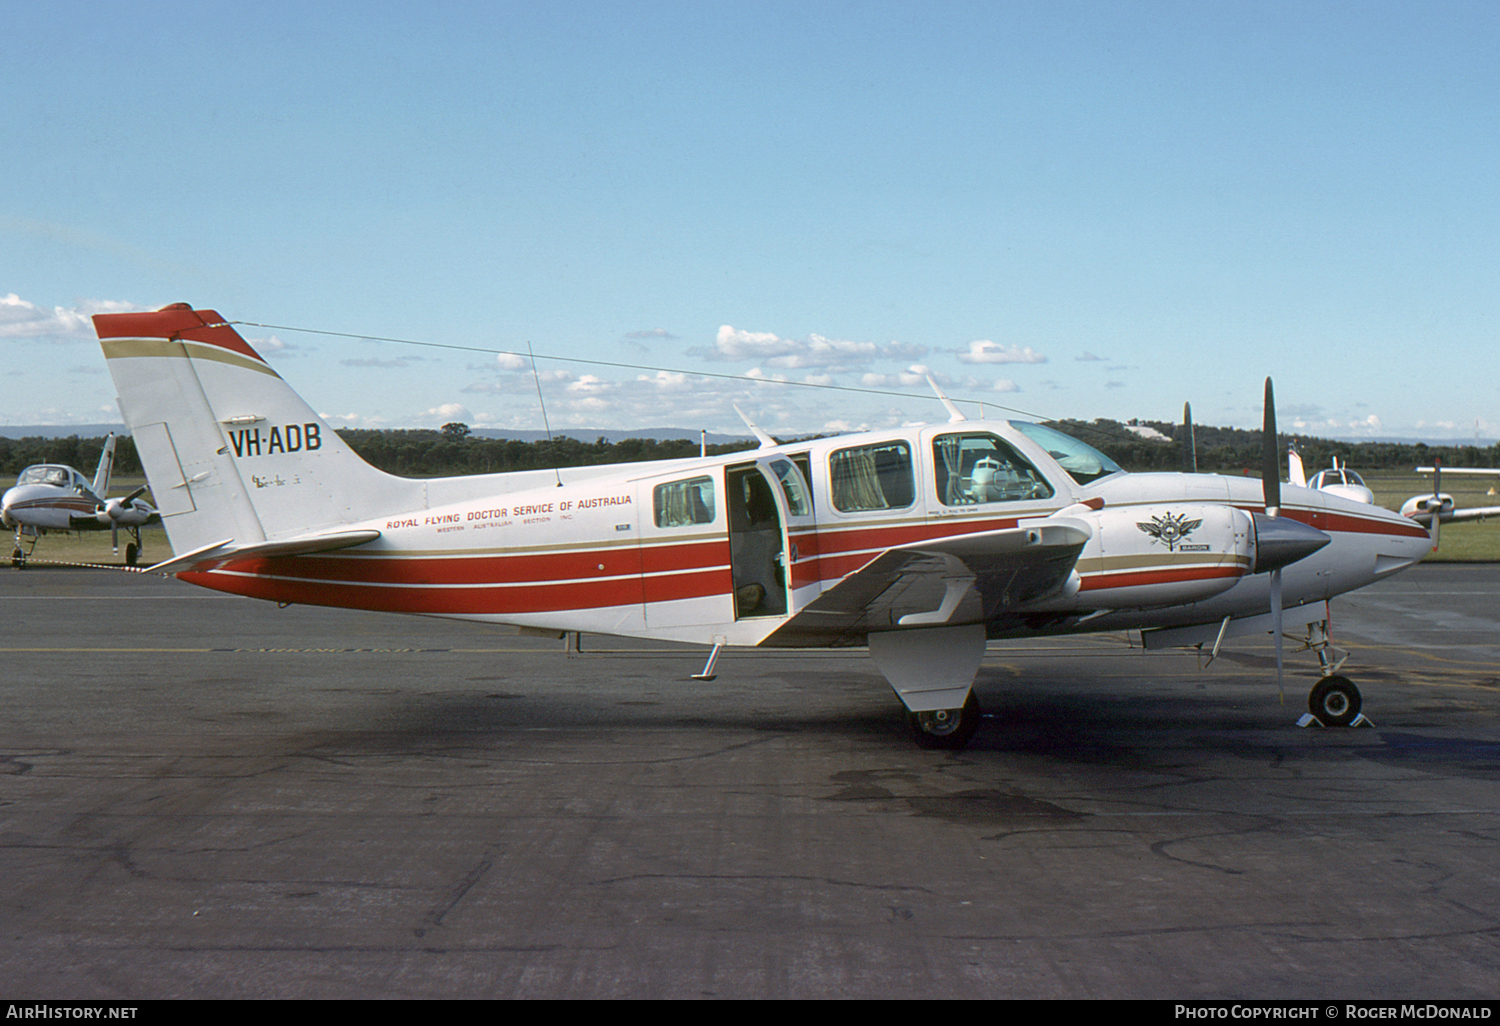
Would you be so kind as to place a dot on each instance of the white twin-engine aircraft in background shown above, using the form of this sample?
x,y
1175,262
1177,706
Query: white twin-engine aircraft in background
x,y
920,542
1438,509
1434,510
55,497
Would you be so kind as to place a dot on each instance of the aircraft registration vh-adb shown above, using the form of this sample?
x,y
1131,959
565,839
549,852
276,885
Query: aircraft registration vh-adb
x,y
921,542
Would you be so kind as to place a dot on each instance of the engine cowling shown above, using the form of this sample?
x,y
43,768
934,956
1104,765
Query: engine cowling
x,y
1164,554
1425,504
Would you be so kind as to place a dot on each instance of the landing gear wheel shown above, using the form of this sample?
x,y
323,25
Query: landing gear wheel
x,y
950,729
1335,701
131,552
18,559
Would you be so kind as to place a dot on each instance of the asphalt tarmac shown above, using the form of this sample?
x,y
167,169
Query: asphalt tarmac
x,y
203,796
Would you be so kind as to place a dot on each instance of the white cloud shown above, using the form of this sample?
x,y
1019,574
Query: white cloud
x,y
800,354
736,344
21,319
354,420
590,383
985,351
913,376
398,363
674,381
447,412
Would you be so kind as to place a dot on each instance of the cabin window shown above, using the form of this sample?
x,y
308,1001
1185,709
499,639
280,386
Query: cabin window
x,y
684,503
974,468
870,477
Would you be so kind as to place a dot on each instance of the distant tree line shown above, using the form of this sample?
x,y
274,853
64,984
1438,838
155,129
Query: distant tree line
x,y
454,450
16,454
1233,450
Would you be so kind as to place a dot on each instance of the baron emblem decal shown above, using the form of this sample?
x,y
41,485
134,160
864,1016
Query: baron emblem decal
x,y
1169,530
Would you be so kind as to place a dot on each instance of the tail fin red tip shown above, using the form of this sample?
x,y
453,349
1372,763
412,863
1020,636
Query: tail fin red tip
x,y
178,321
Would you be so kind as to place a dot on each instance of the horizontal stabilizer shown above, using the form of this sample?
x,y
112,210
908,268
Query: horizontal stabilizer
x,y
221,551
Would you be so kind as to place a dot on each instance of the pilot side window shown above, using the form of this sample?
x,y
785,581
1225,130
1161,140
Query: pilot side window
x,y
870,477
684,503
975,468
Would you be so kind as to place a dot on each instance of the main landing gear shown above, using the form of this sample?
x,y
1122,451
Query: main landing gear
x,y
950,729
932,671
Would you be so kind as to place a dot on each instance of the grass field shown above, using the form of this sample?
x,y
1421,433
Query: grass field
x,y
1472,542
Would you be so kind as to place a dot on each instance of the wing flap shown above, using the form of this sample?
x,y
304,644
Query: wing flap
x,y
968,578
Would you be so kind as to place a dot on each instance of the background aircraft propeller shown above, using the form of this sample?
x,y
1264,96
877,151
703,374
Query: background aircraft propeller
x,y
110,511
1435,504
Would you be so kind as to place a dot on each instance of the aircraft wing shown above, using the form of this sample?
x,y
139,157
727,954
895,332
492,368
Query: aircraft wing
x,y
966,578
1475,513
218,552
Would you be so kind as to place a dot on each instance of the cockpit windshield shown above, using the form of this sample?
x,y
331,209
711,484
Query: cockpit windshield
x,y
46,474
1083,462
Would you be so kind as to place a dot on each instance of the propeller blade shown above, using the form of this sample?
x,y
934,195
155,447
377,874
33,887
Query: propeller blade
x,y
1270,457
1276,629
1435,527
1270,479
129,501
114,534
1189,441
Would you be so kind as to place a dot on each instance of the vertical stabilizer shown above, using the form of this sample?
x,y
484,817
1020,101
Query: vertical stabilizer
x,y
230,450
106,468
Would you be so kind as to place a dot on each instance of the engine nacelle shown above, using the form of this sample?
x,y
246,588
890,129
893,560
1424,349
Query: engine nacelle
x,y
1165,554
1424,503
1159,554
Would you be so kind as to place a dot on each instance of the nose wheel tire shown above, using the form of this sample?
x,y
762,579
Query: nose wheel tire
x,y
950,729
1335,701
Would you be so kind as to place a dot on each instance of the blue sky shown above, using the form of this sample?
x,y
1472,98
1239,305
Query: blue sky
x,y
1067,208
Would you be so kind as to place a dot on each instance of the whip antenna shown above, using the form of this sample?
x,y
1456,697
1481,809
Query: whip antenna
x,y
543,404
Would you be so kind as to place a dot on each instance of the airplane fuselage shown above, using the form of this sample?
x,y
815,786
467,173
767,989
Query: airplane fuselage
x,y
735,547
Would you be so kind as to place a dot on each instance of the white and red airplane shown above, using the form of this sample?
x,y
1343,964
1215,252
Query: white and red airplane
x,y
920,542
1434,510
55,497
1338,479
1438,509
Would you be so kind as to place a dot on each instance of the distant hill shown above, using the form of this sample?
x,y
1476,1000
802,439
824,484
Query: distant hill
x,y
660,434
59,430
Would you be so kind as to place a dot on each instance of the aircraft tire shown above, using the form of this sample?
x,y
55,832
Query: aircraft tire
x,y
944,730
18,559
1335,701
131,553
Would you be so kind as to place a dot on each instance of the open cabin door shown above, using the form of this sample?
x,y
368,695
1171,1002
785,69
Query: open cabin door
x,y
771,522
